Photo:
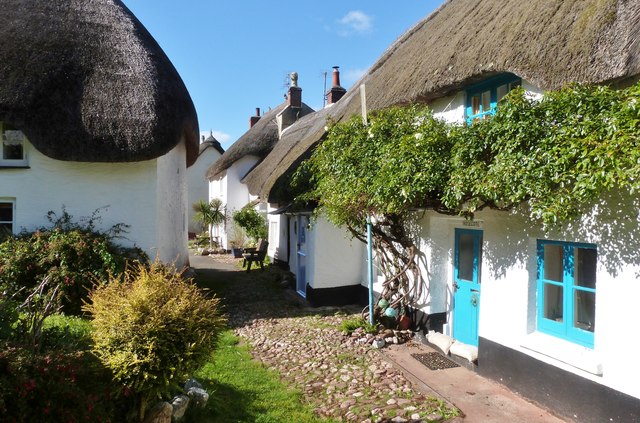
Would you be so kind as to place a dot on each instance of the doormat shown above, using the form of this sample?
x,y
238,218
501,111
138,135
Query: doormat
x,y
435,361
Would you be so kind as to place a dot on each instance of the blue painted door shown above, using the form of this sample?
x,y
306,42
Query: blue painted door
x,y
466,285
301,271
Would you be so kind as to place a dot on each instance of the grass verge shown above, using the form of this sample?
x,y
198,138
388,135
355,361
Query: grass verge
x,y
243,390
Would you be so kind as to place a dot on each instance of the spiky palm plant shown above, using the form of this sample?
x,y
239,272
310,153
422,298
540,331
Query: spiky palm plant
x,y
210,214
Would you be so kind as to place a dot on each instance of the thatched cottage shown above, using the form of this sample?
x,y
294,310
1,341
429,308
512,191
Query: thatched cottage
x,y
93,114
197,182
459,61
327,263
226,176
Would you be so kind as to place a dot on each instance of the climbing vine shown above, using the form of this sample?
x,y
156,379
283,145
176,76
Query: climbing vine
x,y
556,153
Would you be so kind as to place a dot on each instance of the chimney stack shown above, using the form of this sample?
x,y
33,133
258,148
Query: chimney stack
x,y
294,98
336,92
254,119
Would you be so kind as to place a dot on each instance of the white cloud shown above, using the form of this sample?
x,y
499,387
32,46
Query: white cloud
x,y
355,22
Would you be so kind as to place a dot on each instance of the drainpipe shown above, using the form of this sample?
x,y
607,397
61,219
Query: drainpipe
x,y
370,268
363,100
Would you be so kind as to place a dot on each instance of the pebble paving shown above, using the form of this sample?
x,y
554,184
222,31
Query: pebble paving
x,y
342,376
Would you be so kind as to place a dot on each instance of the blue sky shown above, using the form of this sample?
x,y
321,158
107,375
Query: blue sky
x,y
235,56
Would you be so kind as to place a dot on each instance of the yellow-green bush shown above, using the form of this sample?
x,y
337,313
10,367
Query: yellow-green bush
x,y
152,330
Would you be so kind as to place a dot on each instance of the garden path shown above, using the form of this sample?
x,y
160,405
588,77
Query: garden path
x,y
341,378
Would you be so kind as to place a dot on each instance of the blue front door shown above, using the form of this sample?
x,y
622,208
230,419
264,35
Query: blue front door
x,y
466,285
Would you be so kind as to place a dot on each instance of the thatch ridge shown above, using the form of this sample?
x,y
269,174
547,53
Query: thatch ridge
x,y
547,42
85,81
210,142
261,176
258,141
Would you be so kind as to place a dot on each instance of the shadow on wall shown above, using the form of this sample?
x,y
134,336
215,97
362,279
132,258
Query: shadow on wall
x,y
611,224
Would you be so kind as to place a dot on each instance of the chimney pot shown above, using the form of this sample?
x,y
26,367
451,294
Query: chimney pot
x,y
294,97
336,92
254,119
336,76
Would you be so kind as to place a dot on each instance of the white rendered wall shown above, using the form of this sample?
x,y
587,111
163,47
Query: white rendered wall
x,y
128,189
171,207
450,108
233,192
198,184
334,259
508,300
278,242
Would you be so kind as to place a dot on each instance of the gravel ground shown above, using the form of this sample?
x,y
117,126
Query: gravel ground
x,y
342,376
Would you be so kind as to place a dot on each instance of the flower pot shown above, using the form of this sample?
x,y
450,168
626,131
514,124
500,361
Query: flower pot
x,y
404,322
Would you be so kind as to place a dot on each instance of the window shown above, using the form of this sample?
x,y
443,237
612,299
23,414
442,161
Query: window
x,y
483,98
567,290
6,218
13,148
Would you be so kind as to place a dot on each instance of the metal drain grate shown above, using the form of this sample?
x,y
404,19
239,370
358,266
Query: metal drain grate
x,y
435,361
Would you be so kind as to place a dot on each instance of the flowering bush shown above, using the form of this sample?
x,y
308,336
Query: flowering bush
x,y
54,387
74,255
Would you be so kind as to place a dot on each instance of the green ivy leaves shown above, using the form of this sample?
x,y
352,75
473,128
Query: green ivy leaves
x,y
558,153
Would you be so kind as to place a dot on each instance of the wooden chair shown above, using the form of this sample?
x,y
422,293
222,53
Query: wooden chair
x,y
258,255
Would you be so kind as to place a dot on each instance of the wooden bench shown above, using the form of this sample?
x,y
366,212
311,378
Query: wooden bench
x,y
255,256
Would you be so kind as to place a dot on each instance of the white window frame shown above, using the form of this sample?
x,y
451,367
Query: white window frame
x,y
12,222
15,136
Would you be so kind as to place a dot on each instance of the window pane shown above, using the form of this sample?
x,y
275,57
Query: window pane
x,y
585,260
6,229
465,257
553,258
502,91
475,104
6,212
12,151
486,101
553,296
584,306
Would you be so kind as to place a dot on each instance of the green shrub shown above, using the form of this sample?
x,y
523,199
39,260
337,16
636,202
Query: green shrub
x,y
74,256
66,333
253,223
153,330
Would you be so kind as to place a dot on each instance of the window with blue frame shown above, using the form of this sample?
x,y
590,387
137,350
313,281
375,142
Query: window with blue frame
x,y
566,305
483,98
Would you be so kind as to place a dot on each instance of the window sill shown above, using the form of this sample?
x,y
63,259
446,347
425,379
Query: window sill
x,y
3,166
574,355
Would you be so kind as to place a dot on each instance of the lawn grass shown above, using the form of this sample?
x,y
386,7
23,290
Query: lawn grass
x,y
243,390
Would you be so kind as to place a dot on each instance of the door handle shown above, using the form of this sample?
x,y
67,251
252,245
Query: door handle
x,y
455,286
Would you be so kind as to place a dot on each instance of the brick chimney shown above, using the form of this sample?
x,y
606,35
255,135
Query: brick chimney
x,y
294,97
336,92
254,119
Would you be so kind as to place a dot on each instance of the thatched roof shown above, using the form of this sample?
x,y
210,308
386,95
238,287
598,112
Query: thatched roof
x,y
547,42
85,81
210,142
263,177
258,141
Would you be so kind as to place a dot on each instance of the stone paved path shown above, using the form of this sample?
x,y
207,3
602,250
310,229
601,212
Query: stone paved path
x,y
341,378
